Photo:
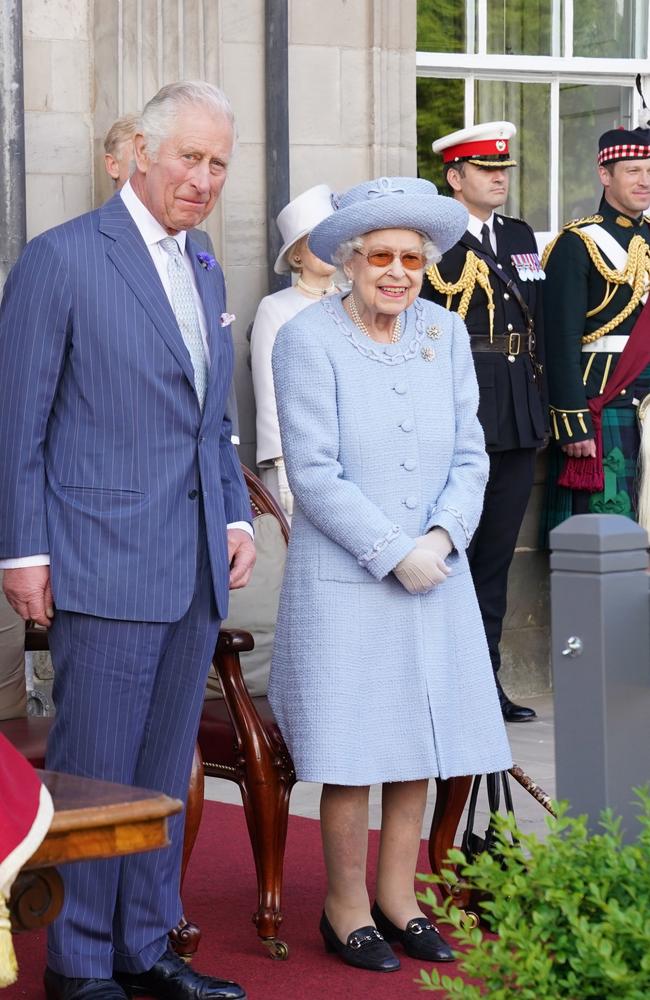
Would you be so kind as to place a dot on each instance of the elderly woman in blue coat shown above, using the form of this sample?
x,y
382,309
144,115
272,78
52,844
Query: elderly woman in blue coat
x,y
381,672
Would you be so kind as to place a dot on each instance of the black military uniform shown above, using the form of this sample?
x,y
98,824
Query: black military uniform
x,y
498,295
591,305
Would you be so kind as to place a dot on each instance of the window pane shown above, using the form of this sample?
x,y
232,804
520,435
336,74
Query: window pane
x,y
610,28
441,26
585,113
519,27
527,105
441,106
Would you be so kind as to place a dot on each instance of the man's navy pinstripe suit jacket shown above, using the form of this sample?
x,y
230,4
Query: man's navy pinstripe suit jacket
x,y
105,456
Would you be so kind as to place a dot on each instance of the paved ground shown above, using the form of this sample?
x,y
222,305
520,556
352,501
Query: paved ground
x,y
532,748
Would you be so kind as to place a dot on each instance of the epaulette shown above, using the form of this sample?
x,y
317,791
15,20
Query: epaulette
x,y
513,218
586,221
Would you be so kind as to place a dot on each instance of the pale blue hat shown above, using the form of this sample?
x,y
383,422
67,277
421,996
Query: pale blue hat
x,y
390,203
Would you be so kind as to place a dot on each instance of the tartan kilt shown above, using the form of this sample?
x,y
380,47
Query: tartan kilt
x,y
621,440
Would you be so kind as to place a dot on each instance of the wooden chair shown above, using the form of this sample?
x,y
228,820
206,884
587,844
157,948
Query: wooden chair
x,y
239,740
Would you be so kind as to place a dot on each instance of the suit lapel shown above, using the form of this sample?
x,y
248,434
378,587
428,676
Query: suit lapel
x,y
132,259
212,307
469,241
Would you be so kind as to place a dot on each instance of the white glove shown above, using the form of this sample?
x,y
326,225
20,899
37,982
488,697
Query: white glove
x,y
437,540
424,567
286,496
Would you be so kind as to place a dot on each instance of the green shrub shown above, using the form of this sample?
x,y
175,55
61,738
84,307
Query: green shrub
x,y
572,915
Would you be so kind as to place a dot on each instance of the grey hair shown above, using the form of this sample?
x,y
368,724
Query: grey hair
x,y
159,114
344,251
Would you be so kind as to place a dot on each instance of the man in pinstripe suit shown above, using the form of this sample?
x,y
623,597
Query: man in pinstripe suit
x,y
118,160
124,517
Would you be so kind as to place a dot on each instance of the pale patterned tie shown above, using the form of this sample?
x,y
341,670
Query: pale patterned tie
x,y
186,315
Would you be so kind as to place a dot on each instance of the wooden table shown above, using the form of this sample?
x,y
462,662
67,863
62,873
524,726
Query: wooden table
x,y
92,819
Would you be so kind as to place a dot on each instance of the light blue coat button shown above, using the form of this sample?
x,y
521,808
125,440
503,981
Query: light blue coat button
x,y
407,425
409,464
411,503
400,388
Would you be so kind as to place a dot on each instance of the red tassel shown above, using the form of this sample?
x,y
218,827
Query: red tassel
x,y
586,473
582,474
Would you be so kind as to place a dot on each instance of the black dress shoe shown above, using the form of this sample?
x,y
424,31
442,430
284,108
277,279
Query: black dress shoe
x,y
58,987
420,938
510,711
171,979
365,948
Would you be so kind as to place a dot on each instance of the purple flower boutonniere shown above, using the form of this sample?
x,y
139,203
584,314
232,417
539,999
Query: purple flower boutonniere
x,y
206,260
226,319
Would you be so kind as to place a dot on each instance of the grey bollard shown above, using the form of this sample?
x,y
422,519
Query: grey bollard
x,y
600,649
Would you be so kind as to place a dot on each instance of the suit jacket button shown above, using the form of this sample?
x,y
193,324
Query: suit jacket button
x,y
193,494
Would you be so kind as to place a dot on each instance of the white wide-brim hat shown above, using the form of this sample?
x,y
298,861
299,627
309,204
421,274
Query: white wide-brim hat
x,y
299,218
390,203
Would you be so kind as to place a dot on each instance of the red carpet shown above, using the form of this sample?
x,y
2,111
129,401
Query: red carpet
x,y
220,896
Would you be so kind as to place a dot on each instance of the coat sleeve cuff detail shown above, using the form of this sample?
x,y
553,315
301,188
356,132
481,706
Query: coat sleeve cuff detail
x,y
454,523
386,553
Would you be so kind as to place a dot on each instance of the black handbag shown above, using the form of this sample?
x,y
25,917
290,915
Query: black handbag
x,y
472,843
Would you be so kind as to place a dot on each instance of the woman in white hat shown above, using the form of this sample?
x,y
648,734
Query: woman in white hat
x,y
295,222
381,672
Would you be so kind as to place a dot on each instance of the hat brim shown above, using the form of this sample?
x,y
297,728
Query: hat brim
x,y
443,220
494,164
281,265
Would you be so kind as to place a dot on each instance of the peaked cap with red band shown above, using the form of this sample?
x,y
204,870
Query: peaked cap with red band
x,y
485,145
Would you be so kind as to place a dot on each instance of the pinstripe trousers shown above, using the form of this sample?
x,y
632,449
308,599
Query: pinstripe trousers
x,y
128,699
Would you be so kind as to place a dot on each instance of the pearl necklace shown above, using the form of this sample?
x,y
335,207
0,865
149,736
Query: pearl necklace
x,y
313,290
356,319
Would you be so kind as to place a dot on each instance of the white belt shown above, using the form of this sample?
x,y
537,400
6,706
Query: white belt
x,y
611,343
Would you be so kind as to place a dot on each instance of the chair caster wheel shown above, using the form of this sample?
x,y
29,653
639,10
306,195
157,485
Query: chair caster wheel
x,y
277,949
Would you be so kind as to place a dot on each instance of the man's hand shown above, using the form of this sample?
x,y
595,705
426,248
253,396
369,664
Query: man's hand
x,y
29,593
580,449
241,553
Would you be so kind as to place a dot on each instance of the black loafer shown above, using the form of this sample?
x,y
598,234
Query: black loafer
x,y
58,987
365,948
420,938
171,979
510,711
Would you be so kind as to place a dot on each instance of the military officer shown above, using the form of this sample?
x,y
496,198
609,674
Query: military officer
x,y
491,277
597,281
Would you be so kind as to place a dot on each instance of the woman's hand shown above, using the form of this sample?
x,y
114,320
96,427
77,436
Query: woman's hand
x,y
437,540
285,494
425,566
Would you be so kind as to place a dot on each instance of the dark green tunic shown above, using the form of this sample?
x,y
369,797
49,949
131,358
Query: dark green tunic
x,y
573,288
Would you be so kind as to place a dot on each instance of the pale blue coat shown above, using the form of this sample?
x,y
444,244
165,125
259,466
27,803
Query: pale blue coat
x,y
381,442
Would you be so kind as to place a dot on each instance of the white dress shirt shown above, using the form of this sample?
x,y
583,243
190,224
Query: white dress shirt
x,y
474,226
152,232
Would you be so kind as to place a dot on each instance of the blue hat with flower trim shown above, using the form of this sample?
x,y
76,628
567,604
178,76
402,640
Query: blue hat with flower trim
x,y
390,203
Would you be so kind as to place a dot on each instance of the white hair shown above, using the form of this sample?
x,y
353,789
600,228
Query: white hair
x,y
159,114
347,248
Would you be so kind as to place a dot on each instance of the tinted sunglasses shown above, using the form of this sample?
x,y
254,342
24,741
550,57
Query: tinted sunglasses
x,y
411,259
